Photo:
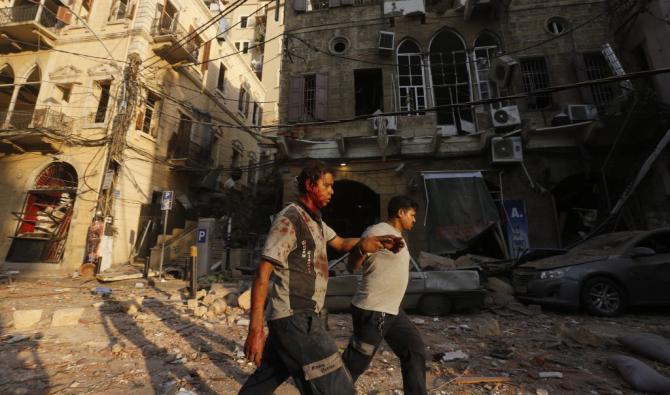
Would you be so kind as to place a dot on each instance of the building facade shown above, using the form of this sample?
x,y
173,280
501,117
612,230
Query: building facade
x,y
406,96
105,106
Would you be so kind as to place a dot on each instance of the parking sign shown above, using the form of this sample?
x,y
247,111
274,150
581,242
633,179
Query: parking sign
x,y
202,235
166,200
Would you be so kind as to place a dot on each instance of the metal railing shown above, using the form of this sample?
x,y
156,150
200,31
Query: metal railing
x,y
165,25
41,118
184,148
28,13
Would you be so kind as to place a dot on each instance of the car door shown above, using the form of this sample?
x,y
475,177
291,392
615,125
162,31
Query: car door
x,y
652,273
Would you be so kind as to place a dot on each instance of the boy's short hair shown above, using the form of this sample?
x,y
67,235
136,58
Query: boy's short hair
x,y
313,170
401,202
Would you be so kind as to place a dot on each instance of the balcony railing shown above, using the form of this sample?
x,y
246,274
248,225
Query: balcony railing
x,y
28,13
186,149
42,118
166,26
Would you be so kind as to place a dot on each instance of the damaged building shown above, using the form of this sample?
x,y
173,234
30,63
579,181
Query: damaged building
x,y
106,105
474,108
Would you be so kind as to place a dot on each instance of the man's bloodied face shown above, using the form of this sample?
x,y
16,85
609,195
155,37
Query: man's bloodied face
x,y
321,192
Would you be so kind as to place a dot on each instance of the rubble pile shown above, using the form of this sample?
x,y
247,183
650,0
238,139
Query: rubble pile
x,y
77,337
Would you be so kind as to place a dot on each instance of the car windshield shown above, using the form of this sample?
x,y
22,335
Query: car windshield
x,y
607,242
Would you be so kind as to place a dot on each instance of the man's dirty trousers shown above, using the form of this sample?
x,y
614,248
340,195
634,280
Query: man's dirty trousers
x,y
299,346
370,328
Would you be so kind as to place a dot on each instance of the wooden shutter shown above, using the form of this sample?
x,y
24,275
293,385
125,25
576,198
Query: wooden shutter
x,y
64,15
333,3
205,56
139,121
296,94
580,68
130,13
300,5
321,96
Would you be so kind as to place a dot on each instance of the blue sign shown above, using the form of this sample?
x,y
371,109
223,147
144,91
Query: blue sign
x,y
517,226
166,200
202,235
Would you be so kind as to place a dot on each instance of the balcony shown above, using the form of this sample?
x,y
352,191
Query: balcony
x,y
27,28
167,33
185,153
33,131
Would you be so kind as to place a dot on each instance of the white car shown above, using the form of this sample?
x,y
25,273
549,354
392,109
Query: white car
x,y
430,293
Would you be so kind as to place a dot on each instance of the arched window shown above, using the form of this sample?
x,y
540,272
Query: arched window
x,y
451,82
6,89
26,100
410,77
486,49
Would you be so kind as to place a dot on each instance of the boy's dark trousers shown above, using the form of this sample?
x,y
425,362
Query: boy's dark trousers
x,y
299,346
370,328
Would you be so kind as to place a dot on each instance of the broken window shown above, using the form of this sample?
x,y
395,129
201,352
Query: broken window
x,y
450,73
487,49
307,97
103,101
221,79
595,68
243,102
43,224
535,76
251,171
22,110
147,121
119,10
410,77
369,93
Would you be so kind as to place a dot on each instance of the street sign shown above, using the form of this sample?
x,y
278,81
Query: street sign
x,y
166,200
202,235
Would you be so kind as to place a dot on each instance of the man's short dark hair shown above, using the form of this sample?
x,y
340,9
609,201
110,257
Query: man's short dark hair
x,y
313,170
401,202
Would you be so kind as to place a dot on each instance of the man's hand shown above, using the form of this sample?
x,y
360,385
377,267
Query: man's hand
x,y
375,243
253,347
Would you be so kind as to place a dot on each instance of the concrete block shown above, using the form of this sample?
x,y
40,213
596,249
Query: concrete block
x,y
24,319
244,300
67,317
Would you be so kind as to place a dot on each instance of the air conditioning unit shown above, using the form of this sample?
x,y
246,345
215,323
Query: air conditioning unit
x,y
506,149
389,122
386,41
582,112
502,68
505,116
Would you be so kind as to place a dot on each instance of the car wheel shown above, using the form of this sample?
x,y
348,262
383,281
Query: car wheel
x,y
603,297
434,305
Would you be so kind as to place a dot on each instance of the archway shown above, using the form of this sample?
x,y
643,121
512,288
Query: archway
x,y
353,208
26,100
45,220
6,89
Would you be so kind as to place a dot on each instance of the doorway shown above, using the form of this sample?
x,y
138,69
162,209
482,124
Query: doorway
x,y
353,208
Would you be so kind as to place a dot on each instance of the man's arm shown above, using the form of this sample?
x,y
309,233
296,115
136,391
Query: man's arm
x,y
255,343
356,259
343,245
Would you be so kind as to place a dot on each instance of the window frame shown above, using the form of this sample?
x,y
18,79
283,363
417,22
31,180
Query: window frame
x,y
530,81
416,110
100,115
